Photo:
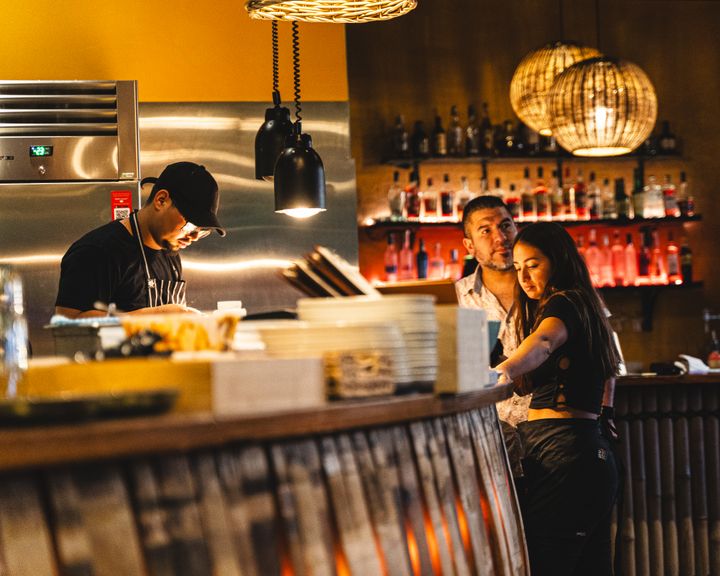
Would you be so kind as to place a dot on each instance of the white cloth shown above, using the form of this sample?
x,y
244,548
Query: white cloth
x,y
472,293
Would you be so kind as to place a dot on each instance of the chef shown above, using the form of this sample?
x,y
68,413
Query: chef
x,y
135,263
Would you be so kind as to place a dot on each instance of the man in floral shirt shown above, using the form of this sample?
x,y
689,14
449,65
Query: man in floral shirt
x,y
489,234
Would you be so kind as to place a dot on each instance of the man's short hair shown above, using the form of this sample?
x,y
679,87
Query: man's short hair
x,y
481,203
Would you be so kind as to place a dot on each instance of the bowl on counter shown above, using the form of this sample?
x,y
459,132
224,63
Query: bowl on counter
x,y
184,332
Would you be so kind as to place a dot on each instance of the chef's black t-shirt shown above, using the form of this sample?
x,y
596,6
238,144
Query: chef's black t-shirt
x,y
106,265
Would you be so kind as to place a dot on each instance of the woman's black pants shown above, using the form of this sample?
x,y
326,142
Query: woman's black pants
x,y
572,481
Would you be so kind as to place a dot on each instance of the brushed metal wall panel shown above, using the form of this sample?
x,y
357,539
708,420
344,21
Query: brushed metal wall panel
x,y
38,222
245,265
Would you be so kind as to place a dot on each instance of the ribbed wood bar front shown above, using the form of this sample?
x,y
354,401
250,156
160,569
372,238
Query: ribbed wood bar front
x,y
669,428
398,486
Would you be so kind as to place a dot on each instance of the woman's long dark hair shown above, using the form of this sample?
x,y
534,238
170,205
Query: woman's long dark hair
x,y
569,277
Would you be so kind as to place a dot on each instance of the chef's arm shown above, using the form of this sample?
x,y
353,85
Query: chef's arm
x,y
534,350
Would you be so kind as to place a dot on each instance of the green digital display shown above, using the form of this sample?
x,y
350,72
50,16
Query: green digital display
x,y
39,151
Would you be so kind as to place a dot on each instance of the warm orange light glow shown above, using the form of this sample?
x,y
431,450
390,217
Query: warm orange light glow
x,y
432,544
412,549
464,531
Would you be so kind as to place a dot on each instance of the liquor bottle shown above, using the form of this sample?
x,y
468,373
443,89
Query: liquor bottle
x,y
638,196
453,270
488,132
667,143
455,134
473,134
447,200
438,142
396,198
532,142
631,262
548,145
569,206
686,261
581,198
609,206
420,142
512,201
593,258
400,139
521,139
669,193
606,263
686,202
436,264
508,145
463,196
498,190
527,199
595,199
421,261
581,247
672,256
654,204
713,360
484,188
645,257
406,270
623,204
542,203
391,260
429,205
618,259
556,198
658,275
412,197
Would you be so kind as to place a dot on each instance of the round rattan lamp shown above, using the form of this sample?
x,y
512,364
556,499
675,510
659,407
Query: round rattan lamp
x,y
345,11
534,77
602,107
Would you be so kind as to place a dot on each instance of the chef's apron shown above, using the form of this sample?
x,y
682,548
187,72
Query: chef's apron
x,y
161,291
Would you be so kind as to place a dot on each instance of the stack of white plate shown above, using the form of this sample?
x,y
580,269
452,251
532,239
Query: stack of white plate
x,y
293,338
413,314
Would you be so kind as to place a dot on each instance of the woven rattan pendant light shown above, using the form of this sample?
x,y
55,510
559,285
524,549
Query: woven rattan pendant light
x,y
602,107
342,11
534,77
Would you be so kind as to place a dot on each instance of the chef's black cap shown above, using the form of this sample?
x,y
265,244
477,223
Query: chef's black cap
x,y
194,192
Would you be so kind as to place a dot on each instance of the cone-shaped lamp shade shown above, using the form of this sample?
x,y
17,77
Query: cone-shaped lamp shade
x,y
271,140
602,107
332,11
299,179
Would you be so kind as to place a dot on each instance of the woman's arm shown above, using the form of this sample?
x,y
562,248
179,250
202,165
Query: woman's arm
x,y
534,350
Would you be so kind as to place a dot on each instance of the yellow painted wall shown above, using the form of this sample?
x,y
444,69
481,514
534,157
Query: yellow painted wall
x,y
177,50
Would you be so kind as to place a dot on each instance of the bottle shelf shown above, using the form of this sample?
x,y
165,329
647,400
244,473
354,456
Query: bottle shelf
x,y
409,162
391,224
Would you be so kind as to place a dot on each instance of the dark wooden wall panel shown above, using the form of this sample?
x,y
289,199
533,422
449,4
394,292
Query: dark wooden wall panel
x,y
465,51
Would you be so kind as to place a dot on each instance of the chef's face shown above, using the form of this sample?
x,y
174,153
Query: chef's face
x,y
173,232
533,269
489,237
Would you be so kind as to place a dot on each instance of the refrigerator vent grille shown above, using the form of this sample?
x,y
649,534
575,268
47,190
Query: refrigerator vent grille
x,y
59,108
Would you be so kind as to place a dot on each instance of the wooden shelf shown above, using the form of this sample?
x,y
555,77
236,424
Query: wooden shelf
x,y
44,446
390,224
409,162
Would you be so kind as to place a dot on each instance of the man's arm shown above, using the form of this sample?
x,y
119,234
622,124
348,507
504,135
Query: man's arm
x,y
164,309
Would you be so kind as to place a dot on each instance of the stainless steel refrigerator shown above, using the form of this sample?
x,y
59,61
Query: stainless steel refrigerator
x,y
68,156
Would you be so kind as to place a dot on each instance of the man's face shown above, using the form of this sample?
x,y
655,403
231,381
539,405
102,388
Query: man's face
x,y
491,232
172,231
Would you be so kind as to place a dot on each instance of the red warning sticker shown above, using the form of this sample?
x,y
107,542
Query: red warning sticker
x,y
120,204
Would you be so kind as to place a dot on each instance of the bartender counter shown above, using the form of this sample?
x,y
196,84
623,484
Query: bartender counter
x,y
409,484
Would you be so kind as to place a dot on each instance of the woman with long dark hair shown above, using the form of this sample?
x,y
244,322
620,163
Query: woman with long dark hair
x,y
566,355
